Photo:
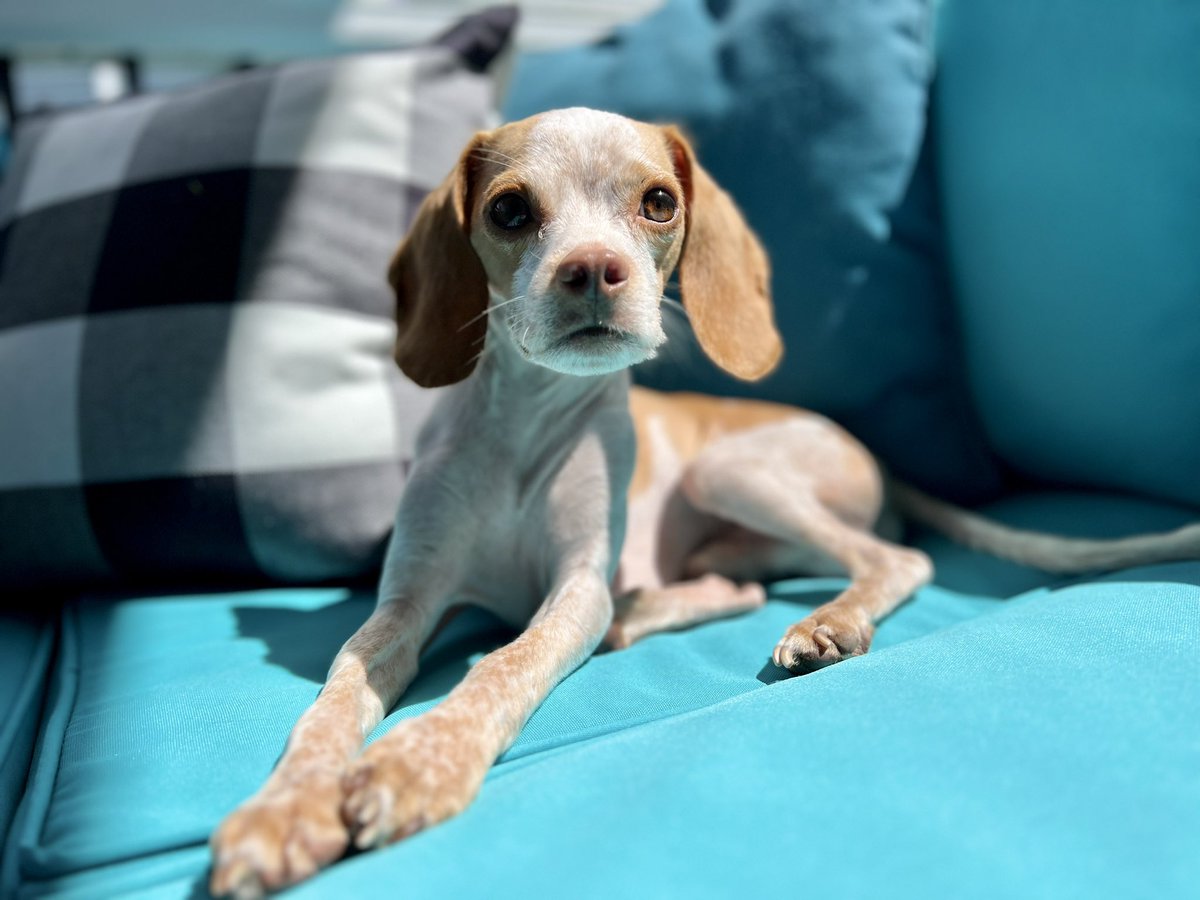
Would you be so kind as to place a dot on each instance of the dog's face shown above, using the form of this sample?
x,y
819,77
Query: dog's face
x,y
575,219
578,219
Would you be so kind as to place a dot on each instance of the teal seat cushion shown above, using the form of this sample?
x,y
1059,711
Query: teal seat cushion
x,y
989,742
1068,135
811,116
26,646
1043,750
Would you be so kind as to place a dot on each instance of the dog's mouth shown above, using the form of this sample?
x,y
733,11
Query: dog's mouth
x,y
594,350
597,333
597,342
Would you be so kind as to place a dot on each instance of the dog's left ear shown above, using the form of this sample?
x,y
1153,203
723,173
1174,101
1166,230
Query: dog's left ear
x,y
440,284
724,275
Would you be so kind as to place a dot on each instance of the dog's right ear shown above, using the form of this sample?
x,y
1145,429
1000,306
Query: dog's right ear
x,y
440,284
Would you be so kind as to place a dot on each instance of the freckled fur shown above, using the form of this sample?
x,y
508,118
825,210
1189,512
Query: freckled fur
x,y
516,500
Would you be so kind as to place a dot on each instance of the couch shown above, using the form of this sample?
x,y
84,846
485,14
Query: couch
x,y
985,237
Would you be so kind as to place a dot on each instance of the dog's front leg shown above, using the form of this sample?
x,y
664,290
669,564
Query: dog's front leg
x,y
430,767
294,824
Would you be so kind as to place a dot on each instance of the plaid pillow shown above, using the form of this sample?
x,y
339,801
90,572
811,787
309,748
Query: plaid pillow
x,y
196,379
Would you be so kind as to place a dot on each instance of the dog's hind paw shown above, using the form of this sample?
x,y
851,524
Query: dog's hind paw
x,y
828,635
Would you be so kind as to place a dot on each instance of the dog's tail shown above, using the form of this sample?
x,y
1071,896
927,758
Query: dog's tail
x,y
1049,552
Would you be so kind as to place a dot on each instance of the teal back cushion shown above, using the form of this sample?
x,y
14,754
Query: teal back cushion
x,y
812,116
1069,144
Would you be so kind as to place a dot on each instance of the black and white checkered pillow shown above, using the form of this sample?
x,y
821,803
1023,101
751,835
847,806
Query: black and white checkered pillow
x,y
196,379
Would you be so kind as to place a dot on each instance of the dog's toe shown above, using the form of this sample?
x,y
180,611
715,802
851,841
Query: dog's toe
x,y
370,806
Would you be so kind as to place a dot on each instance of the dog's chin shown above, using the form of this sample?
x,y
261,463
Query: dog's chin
x,y
594,350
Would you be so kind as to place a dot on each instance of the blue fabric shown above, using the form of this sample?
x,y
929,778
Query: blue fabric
x,y
1069,155
1046,750
811,115
1045,740
26,645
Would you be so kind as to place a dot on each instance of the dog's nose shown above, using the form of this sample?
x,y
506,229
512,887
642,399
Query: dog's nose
x,y
593,269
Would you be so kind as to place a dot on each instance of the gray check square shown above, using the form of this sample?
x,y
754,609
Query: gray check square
x,y
323,237
208,129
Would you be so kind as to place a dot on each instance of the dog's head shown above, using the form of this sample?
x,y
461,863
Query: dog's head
x,y
576,219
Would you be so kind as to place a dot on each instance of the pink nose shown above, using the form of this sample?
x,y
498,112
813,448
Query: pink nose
x,y
593,268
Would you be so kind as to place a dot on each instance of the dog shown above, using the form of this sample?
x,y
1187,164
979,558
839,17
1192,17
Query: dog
x,y
530,282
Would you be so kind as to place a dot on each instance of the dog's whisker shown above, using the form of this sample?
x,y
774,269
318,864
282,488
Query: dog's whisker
x,y
475,359
487,311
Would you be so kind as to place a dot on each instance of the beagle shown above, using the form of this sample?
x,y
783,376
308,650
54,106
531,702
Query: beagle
x,y
531,280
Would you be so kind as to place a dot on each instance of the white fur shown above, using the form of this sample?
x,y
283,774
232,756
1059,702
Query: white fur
x,y
516,503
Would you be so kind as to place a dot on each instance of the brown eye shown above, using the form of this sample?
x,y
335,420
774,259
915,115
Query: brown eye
x,y
658,206
510,212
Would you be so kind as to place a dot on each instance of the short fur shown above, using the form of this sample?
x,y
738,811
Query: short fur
x,y
731,493
517,499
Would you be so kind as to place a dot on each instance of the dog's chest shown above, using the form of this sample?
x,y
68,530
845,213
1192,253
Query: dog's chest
x,y
538,512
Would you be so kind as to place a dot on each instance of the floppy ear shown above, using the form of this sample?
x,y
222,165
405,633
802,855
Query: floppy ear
x,y
724,275
441,287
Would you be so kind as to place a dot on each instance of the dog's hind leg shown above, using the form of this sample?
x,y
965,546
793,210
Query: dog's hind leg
x,y
807,487
645,611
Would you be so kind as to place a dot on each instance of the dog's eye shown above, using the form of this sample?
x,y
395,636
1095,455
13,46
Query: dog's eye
x,y
510,211
658,206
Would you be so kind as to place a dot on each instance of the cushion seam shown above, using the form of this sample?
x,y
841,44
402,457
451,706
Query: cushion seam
x,y
32,686
39,795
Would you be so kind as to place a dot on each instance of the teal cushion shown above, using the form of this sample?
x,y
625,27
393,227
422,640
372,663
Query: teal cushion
x,y
811,115
1069,148
26,645
981,742
1046,750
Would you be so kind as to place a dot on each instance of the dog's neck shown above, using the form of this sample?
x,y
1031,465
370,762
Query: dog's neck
x,y
510,385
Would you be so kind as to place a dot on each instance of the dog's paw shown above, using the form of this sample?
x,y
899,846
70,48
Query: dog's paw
x,y
828,635
424,771
278,837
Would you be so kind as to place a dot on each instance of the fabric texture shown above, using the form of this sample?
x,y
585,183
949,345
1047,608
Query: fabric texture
x,y
196,375
1034,732
1069,143
812,116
